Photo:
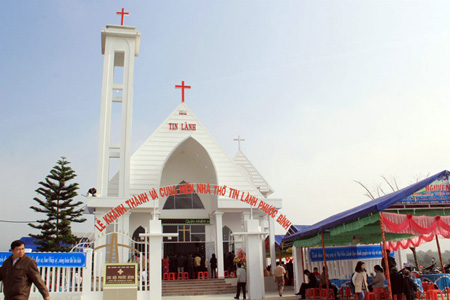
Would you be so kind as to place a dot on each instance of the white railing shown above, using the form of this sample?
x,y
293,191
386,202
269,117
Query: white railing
x,y
89,279
60,280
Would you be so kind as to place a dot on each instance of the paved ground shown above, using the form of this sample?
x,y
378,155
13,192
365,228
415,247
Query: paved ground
x,y
288,294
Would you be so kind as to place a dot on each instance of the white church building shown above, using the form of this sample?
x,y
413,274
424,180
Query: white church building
x,y
180,150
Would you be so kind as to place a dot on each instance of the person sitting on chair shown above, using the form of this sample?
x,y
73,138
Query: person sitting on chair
x,y
312,283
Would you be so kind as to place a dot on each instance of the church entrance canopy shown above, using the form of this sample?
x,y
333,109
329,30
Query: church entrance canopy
x,y
410,214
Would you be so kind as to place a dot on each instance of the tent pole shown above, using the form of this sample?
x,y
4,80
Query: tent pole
x,y
440,255
386,264
280,255
325,264
416,262
303,263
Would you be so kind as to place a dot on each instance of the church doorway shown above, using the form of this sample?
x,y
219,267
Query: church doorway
x,y
190,239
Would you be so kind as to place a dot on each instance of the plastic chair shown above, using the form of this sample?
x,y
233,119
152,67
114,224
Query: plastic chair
x,y
200,275
370,296
205,275
401,297
180,275
345,292
328,294
380,293
434,294
171,276
165,276
185,275
316,293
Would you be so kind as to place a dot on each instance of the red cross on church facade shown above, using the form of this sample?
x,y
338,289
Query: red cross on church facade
x,y
123,13
182,87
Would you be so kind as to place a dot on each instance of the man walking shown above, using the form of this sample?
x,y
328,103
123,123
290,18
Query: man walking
x,y
278,276
242,281
18,272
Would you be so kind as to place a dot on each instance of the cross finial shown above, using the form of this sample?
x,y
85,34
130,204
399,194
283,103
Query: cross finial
x,y
123,13
239,140
182,87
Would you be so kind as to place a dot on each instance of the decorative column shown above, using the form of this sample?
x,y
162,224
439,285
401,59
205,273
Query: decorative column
x,y
124,227
262,224
255,274
155,214
245,215
298,267
155,237
273,258
100,238
219,243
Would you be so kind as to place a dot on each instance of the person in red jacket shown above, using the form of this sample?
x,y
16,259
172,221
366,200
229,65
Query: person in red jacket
x,y
18,272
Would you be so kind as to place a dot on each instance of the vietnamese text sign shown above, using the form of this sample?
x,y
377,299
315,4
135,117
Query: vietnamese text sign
x,y
186,221
435,193
187,189
76,259
346,253
120,274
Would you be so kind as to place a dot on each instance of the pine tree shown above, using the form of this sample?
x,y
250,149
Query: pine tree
x,y
59,206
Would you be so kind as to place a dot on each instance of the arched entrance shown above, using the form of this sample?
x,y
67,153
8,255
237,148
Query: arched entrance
x,y
188,215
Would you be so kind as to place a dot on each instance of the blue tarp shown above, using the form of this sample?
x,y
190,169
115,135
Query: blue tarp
x,y
365,209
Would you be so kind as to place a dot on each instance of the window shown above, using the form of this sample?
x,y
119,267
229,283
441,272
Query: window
x,y
183,201
186,233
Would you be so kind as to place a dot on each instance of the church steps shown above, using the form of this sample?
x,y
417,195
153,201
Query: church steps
x,y
196,287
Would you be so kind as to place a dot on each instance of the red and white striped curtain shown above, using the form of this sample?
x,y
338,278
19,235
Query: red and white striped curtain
x,y
425,228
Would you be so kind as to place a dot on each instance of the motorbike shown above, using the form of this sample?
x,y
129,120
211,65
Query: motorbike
x,y
431,269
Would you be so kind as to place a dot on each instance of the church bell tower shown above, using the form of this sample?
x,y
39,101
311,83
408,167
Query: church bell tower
x,y
120,45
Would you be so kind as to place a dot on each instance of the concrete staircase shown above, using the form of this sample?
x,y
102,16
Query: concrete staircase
x,y
196,287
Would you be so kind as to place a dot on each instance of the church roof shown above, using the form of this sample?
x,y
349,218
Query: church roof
x,y
252,173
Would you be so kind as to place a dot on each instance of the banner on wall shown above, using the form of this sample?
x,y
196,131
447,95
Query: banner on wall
x,y
436,193
74,260
346,253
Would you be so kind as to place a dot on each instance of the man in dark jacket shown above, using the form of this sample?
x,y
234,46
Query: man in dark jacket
x,y
396,282
18,272
312,283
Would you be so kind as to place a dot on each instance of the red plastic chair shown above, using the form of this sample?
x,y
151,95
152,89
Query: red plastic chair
x,y
200,275
185,275
205,275
165,276
345,292
401,298
172,276
380,293
327,294
434,294
370,296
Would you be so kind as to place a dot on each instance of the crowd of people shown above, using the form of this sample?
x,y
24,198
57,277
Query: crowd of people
x,y
401,282
193,263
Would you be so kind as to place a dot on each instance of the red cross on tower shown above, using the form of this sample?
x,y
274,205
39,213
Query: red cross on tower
x,y
123,13
182,87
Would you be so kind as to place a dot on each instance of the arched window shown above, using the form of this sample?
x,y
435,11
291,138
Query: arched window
x,y
138,243
228,240
183,201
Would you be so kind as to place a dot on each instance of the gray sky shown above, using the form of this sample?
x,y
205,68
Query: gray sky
x,y
324,92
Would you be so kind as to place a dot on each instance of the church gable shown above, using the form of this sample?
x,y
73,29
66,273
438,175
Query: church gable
x,y
182,134
253,174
